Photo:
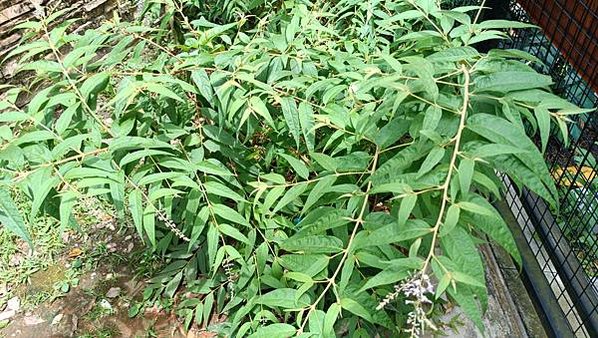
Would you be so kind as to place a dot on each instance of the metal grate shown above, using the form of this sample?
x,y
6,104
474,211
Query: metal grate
x,y
563,244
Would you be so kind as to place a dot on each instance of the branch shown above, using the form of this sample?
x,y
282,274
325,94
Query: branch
x,y
445,187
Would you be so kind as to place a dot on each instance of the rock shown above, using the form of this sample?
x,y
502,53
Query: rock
x,y
12,307
75,322
7,314
113,292
57,319
104,304
66,327
13,304
33,320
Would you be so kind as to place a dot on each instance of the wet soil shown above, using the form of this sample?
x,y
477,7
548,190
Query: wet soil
x,y
89,310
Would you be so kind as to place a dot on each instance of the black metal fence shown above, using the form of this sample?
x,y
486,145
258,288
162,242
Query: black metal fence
x,y
560,248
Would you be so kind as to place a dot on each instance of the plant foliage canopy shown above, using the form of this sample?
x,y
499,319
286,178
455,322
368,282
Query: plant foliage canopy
x,y
308,168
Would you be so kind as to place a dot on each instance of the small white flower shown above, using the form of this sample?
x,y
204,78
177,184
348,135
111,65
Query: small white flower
x,y
172,226
414,289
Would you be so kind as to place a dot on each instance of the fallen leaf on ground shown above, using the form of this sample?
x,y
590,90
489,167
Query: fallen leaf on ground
x,y
113,293
75,252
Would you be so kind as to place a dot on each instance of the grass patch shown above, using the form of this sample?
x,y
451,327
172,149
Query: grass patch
x,y
19,262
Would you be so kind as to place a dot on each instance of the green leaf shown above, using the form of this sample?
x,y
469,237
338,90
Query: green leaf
x,y
161,90
209,167
460,247
543,118
258,106
323,186
41,183
392,62
400,269
475,208
283,298
356,308
501,131
398,188
94,84
433,158
529,167
67,201
233,233
10,217
201,80
451,219
327,162
322,219
208,304
229,214
402,160
495,227
64,120
503,24
290,196
431,118
299,167
469,305
330,318
466,279
149,223
316,323
272,196
137,155
292,28
490,150
454,54
407,205
274,330
34,137
443,284
466,169
136,142
306,118
392,233
158,177
198,314
308,264
298,276
136,208
173,285
213,187
291,116
313,244
510,81
392,132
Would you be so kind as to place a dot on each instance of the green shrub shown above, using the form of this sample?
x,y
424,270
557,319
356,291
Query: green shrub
x,y
308,168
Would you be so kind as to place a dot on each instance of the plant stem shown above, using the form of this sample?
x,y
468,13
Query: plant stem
x,y
446,185
358,222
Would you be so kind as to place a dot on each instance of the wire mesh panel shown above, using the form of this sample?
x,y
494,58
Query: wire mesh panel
x,y
563,243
